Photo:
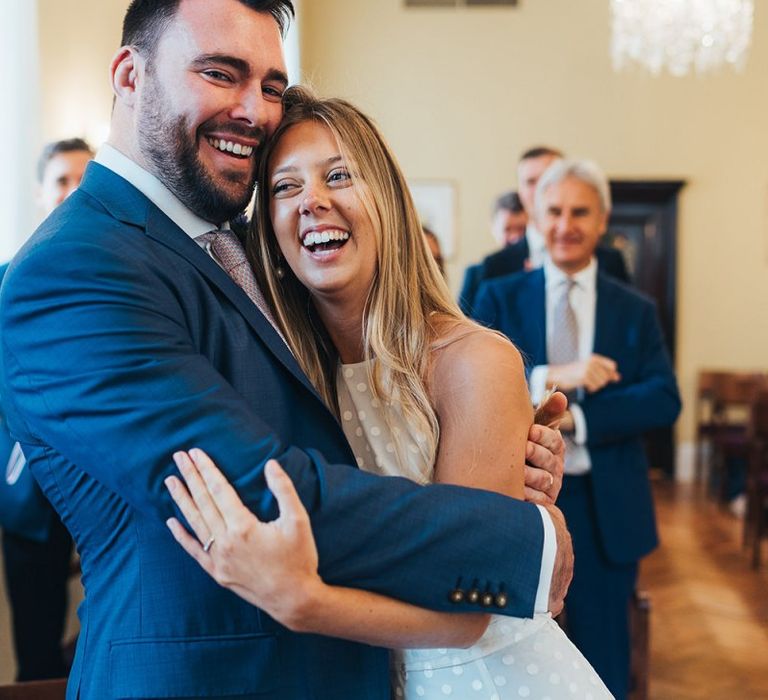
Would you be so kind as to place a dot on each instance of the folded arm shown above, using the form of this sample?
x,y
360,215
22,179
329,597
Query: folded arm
x,y
646,400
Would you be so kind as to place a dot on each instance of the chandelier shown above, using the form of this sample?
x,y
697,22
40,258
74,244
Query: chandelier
x,y
681,34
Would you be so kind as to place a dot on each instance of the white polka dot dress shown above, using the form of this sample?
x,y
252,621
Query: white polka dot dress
x,y
515,658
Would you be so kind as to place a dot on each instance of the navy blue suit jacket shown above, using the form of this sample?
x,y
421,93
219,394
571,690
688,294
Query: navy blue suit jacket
x,y
511,259
626,330
24,510
123,342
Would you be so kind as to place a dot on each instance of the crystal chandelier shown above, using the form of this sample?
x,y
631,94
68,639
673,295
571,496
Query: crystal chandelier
x,y
681,34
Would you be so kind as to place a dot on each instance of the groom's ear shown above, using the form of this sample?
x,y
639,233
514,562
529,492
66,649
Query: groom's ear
x,y
125,70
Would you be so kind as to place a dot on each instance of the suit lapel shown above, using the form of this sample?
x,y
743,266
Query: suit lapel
x,y
607,318
130,206
533,314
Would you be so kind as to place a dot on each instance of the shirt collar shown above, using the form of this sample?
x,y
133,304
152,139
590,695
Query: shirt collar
x,y
154,190
585,279
534,237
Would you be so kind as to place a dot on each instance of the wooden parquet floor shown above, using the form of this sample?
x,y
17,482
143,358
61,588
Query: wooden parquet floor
x,y
709,617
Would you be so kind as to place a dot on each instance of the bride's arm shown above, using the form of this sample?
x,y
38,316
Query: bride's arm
x,y
479,391
274,566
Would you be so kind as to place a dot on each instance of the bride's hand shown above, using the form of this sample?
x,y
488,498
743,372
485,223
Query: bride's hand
x,y
272,565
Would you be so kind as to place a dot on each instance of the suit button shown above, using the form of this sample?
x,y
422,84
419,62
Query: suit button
x,y
456,595
501,600
473,596
487,600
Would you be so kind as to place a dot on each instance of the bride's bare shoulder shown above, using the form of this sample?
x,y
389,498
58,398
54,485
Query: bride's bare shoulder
x,y
465,355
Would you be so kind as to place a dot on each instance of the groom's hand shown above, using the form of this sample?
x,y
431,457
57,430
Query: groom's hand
x,y
545,451
563,569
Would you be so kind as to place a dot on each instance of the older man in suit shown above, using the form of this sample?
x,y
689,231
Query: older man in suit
x,y
600,341
529,253
134,327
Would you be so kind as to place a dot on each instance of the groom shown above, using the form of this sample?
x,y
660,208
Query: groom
x,y
125,340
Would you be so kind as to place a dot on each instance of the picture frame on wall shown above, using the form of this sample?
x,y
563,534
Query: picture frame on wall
x,y
436,203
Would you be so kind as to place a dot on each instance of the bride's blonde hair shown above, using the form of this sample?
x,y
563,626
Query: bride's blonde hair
x,y
407,293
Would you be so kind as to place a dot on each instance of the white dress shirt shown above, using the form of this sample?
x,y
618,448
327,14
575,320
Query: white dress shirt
x,y
583,298
537,248
194,226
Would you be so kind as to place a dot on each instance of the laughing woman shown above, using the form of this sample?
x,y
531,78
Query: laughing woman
x,y
419,390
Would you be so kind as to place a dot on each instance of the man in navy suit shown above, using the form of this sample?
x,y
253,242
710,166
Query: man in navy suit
x,y
600,341
530,252
37,549
508,225
125,339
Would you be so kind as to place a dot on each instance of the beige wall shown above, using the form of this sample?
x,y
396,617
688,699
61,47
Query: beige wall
x,y
460,93
77,41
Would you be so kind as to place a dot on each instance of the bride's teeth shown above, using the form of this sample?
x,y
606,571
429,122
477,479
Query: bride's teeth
x,y
325,237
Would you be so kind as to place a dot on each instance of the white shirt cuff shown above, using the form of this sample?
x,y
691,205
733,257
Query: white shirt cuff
x,y
547,562
537,383
579,424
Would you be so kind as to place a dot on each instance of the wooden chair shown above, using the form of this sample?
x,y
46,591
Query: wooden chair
x,y
756,520
705,413
722,413
35,690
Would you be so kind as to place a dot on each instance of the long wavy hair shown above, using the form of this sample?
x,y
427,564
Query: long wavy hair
x,y
406,293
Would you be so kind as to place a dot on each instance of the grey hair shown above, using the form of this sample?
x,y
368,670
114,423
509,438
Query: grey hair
x,y
586,171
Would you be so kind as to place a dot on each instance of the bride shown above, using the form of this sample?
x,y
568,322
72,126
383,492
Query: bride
x,y
419,390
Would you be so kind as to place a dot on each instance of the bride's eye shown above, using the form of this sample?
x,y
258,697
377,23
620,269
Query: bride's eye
x,y
283,187
339,176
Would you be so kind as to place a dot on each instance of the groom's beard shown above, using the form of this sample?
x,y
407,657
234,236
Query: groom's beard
x,y
171,149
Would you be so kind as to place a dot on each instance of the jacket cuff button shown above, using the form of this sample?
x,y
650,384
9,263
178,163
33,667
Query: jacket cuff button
x,y
473,596
501,600
456,595
487,600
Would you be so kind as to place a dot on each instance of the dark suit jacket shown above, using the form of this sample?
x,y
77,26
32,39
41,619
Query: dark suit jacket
x,y
24,510
124,342
511,259
626,330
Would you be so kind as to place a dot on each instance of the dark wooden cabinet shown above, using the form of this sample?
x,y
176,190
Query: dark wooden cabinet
x,y
643,226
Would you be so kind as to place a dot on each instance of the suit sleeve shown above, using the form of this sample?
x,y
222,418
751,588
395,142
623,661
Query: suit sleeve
x,y
648,400
472,279
102,369
486,309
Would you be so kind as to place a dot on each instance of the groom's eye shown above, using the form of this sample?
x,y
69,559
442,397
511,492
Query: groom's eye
x,y
217,75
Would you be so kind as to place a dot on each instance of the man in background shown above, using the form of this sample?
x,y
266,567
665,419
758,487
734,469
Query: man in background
x,y
530,252
37,548
599,341
508,222
60,170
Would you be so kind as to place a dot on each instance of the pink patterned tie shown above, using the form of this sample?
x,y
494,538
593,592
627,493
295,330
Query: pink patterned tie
x,y
228,250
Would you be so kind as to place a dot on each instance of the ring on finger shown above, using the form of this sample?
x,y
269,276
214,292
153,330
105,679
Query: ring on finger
x,y
209,543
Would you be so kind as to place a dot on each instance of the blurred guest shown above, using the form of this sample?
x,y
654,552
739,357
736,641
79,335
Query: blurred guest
x,y
433,243
601,342
37,548
509,219
59,170
508,222
530,252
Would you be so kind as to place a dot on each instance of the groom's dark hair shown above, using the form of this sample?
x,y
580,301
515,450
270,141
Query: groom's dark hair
x,y
146,20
